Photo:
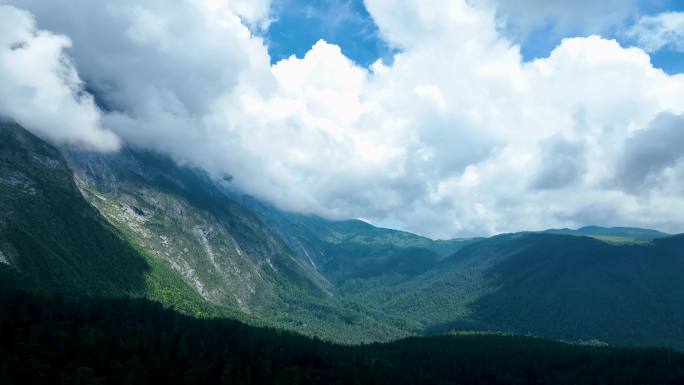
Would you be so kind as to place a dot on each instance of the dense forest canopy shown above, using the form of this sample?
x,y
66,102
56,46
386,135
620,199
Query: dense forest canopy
x,y
59,340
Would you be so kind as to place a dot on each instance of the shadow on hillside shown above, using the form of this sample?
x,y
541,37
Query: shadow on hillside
x,y
50,233
578,288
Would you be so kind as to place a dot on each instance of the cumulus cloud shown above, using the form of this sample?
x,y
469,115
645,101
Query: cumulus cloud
x,y
40,88
254,12
458,136
562,163
649,152
653,33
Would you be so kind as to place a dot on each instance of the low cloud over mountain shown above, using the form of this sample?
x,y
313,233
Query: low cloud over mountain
x,y
457,135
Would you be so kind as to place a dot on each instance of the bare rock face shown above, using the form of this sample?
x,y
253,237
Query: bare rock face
x,y
183,217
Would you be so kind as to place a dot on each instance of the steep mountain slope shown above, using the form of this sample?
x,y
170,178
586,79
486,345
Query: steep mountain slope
x,y
352,254
152,229
219,247
58,242
215,244
137,224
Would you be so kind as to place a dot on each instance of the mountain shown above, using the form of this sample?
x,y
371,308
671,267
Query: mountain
x,y
60,243
351,252
218,246
558,286
294,270
137,224
614,234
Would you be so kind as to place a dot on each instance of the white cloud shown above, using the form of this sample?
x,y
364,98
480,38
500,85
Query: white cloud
x,y
561,17
562,163
253,11
648,153
458,136
40,88
653,33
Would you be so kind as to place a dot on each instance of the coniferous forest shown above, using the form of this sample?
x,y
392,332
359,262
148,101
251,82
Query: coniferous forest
x,y
62,340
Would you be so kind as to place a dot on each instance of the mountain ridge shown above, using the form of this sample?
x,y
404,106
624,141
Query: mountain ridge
x,y
208,250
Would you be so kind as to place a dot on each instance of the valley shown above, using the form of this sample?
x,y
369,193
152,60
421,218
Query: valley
x,y
136,224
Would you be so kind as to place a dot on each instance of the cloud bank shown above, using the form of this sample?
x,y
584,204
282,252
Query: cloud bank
x,y
41,89
458,136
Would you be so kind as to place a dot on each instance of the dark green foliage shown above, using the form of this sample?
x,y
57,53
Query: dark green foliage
x,y
219,246
151,228
577,288
50,233
352,250
56,242
376,252
59,341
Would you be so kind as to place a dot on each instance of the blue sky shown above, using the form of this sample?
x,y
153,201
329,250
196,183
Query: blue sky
x,y
541,41
667,59
459,139
298,24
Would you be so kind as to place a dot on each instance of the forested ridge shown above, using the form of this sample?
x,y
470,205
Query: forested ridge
x,y
62,340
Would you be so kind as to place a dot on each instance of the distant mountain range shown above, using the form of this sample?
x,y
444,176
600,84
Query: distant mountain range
x,y
136,224
614,234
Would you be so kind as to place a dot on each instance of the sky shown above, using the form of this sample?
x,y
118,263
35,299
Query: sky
x,y
538,28
447,118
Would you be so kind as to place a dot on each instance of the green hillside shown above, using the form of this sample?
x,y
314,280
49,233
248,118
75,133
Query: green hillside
x,y
49,232
135,224
352,254
616,285
53,340
564,287
613,234
55,239
219,247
